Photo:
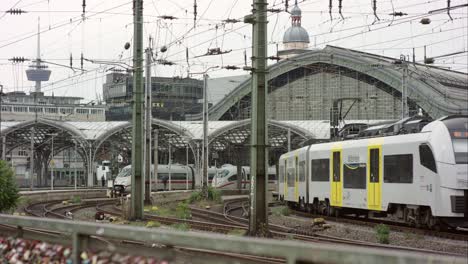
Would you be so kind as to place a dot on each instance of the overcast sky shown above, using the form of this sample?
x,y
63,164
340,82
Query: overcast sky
x,y
108,26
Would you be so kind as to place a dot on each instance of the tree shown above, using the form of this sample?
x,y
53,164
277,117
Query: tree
x,y
8,190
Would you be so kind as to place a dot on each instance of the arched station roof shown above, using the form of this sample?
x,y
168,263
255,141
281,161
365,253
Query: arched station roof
x,y
438,91
96,133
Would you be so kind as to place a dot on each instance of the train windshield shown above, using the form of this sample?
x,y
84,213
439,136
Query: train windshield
x,y
125,172
222,173
458,128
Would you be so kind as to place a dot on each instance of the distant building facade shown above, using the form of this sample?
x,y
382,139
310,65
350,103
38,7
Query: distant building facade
x,y
19,106
172,98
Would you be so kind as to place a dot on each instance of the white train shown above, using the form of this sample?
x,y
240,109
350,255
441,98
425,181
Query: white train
x,y
422,178
170,177
226,178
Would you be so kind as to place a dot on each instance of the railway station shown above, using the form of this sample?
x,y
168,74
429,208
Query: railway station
x,y
323,151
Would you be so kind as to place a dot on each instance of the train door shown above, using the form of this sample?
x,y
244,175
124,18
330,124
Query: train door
x,y
336,178
374,180
285,178
296,179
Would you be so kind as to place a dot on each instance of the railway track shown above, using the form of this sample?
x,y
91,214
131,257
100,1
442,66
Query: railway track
x,y
460,235
284,232
395,226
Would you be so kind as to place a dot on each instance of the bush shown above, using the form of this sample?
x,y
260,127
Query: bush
x,y
76,199
195,197
383,233
214,194
8,190
183,211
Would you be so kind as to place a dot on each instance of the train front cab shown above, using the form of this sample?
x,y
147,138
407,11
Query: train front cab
x,y
450,146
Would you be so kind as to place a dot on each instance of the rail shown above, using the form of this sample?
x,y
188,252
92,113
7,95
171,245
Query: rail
x,y
79,234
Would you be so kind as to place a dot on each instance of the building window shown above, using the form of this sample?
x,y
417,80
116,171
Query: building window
x,y
427,158
354,176
82,111
22,153
51,110
398,168
320,170
66,111
6,108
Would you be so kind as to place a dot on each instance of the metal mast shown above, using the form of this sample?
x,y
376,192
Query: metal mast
x,y
258,225
205,135
148,126
136,211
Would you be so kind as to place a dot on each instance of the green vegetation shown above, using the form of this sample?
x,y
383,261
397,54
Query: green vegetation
x,y
383,233
24,201
8,190
195,197
281,210
183,211
213,195
152,224
237,232
75,199
181,226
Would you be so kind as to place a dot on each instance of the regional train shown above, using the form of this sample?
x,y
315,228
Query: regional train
x,y
170,177
226,178
420,178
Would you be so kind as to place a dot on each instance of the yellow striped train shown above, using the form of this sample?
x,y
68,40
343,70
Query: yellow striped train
x,y
421,178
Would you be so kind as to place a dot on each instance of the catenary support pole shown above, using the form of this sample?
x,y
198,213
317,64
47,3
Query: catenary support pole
x,y
52,163
258,224
75,165
31,160
187,165
205,135
156,159
148,126
136,211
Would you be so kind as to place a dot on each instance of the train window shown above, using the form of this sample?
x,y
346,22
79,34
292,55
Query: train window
x,y
233,178
427,158
398,168
354,176
179,176
374,165
291,177
272,177
210,176
336,166
281,173
320,170
302,171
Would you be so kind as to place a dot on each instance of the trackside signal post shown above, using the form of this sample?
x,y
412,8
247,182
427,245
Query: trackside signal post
x,y
258,224
136,210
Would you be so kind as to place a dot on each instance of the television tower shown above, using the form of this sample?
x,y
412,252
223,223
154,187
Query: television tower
x,y
38,72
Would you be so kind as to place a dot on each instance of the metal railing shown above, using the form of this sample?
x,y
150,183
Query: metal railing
x,y
162,242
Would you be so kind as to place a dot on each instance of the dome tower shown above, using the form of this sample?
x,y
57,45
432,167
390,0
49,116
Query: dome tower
x,y
296,38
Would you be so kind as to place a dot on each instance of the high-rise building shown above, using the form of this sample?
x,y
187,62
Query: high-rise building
x,y
172,97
